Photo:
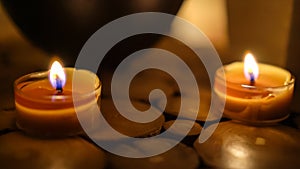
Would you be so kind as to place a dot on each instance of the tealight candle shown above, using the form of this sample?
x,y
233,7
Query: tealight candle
x,y
255,93
45,100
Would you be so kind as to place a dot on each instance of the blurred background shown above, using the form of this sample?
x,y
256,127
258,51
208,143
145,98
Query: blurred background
x,y
267,28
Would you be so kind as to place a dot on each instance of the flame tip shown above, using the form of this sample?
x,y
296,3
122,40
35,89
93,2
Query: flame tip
x,y
57,75
251,69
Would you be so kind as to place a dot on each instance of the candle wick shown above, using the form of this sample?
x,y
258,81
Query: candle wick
x,y
59,88
252,79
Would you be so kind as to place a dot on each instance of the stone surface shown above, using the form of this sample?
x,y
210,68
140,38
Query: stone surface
x,y
126,126
173,106
182,124
178,157
234,145
20,151
297,121
7,120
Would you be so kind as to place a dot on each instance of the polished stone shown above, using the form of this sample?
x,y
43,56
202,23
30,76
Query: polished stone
x,y
178,157
235,145
18,150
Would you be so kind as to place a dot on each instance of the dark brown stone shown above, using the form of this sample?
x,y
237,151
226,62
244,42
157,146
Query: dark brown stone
x,y
20,151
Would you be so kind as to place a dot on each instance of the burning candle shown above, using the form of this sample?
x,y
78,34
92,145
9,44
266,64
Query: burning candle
x,y
45,100
255,93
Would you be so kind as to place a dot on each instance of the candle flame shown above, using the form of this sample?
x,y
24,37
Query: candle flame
x,y
251,70
57,76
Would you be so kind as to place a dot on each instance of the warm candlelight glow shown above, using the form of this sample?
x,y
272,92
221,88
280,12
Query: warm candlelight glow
x,y
57,76
47,105
251,99
250,68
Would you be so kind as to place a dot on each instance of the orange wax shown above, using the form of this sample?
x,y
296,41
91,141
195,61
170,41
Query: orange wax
x,y
267,100
44,111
